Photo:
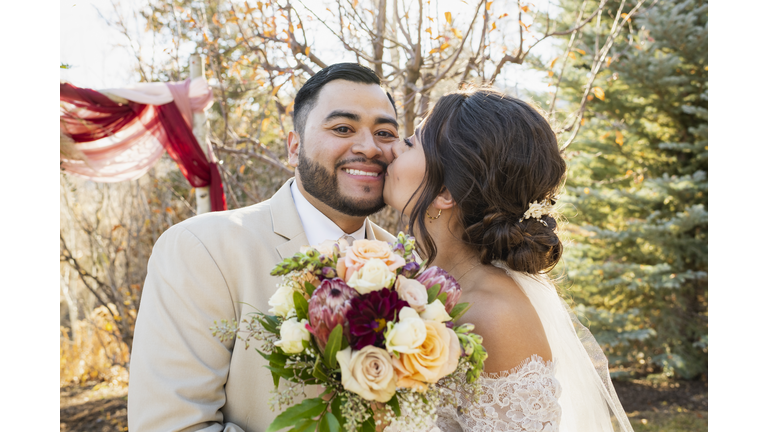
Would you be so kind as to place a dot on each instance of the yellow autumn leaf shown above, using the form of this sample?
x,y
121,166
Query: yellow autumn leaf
x,y
354,3
605,135
444,46
289,108
494,27
275,90
429,30
306,51
586,191
503,15
599,93
580,51
242,169
434,50
550,73
488,5
448,17
572,56
551,65
608,61
625,16
524,8
583,121
456,33
590,97
619,138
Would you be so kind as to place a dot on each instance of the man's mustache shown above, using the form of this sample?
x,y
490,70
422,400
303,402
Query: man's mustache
x,y
341,163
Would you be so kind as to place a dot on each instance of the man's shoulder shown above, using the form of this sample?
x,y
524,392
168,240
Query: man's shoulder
x,y
230,226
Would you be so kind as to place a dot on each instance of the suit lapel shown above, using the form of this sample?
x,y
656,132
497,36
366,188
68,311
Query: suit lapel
x,y
286,221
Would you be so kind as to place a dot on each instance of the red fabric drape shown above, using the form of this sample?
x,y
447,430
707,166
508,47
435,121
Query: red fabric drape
x,y
95,116
190,158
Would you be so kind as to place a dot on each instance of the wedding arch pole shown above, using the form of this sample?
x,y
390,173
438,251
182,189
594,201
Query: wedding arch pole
x,y
200,130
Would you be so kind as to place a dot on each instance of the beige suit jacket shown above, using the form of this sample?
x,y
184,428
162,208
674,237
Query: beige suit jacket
x,y
210,267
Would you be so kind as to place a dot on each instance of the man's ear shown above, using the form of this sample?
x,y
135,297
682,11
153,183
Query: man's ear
x,y
293,148
444,200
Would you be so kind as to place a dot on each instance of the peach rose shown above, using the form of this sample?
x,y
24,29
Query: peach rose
x,y
362,251
437,357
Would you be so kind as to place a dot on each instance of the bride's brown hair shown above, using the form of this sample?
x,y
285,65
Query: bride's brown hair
x,y
495,154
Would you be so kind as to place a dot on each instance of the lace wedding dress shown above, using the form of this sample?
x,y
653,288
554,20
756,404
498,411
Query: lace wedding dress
x,y
521,399
571,393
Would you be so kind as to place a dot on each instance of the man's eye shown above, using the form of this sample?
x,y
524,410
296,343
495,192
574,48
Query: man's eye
x,y
343,129
386,134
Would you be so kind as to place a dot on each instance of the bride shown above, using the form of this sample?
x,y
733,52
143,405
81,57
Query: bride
x,y
477,182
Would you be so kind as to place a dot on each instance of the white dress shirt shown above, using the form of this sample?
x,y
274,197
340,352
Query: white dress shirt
x,y
317,226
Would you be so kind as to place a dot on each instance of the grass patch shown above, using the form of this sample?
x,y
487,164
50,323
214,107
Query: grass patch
x,y
679,420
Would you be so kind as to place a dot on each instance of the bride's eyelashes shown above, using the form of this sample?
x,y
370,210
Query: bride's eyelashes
x,y
408,142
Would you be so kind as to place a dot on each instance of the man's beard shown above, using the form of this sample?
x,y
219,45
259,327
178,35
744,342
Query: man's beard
x,y
324,186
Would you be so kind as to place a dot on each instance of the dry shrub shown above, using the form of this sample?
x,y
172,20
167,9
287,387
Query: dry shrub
x,y
93,351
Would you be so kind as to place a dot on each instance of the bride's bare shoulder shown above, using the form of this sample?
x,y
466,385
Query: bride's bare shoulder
x,y
506,319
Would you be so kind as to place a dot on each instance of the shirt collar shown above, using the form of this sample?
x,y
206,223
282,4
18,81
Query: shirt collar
x,y
317,226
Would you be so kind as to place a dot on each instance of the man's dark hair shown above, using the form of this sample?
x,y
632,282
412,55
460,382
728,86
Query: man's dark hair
x,y
307,96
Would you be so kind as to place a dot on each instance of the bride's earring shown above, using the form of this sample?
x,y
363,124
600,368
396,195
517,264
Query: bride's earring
x,y
439,212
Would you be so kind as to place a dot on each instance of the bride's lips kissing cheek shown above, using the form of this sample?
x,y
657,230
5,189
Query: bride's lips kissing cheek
x,y
405,173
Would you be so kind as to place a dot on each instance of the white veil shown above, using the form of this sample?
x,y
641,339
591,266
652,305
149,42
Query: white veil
x,y
588,399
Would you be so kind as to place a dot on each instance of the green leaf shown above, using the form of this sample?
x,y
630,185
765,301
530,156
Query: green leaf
x,y
394,404
318,371
298,413
333,346
302,307
282,372
336,409
369,425
309,288
329,423
459,310
432,293
443,297
305,426
270,323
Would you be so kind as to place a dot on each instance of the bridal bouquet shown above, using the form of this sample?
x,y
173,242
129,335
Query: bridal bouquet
x,y
372,327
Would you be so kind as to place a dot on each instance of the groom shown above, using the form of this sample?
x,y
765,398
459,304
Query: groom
x,y
216,266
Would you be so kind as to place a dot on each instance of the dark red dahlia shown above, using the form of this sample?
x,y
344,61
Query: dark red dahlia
x,y
368,317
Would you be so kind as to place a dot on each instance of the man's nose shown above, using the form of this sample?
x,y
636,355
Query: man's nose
x,y
368,147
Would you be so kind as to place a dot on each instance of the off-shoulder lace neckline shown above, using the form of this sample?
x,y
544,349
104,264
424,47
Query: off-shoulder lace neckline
x,y
549,364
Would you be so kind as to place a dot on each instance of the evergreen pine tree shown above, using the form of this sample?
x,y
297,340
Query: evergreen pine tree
x,y
636,201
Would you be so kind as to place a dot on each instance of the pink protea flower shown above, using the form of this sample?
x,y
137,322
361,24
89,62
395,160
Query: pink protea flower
x,y
328,307
436,275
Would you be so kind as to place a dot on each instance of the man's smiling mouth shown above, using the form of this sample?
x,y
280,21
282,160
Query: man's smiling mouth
x,y
358,172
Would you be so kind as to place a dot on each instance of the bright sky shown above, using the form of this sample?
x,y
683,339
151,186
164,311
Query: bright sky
x,y
101,59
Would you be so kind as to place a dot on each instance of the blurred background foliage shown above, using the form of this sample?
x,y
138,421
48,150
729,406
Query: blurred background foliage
x,y
627,96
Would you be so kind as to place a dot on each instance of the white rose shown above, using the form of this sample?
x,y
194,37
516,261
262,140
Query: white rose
x,y
292,333
368,373
407,335
372,276
412,291
282,301
435,311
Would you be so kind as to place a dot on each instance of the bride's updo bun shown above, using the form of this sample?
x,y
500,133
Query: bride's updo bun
x,y
495,154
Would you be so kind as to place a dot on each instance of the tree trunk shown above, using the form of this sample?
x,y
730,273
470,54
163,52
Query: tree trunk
x,y
378,43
